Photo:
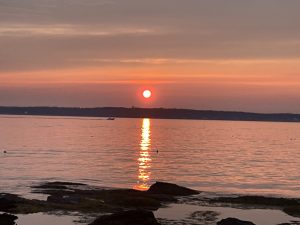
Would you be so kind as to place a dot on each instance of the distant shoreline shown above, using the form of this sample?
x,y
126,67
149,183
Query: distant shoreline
x,y
155,113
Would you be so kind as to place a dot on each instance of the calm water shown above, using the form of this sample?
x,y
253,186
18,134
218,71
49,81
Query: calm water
x,y
181,212
216,156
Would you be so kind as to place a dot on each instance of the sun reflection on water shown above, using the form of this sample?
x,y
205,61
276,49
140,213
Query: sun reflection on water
x,y
144,160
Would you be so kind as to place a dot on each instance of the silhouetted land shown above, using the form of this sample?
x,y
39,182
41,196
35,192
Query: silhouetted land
x,y
160,113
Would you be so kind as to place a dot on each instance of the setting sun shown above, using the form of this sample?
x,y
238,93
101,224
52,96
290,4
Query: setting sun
x,y
147,94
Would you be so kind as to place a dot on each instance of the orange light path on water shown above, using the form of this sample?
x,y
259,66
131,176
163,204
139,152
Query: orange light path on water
x,y
144,160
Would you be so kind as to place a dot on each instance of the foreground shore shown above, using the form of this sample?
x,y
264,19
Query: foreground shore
x,y
128,206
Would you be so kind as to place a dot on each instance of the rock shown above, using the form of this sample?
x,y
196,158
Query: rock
x,y
132,217
97,199
259,200
81,198
64,199
8,201
6,204
11,197
11,203
58,185
163,197
234,221
290,206
134,202
170,189
293,210
7,219
204,217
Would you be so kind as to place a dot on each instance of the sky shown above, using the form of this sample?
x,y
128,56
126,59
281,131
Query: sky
x,y
237,55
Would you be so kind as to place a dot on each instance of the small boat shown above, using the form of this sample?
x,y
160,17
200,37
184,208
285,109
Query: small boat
x,y
110,118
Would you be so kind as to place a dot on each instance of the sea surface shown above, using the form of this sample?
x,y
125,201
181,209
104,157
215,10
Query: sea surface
x,y
213,156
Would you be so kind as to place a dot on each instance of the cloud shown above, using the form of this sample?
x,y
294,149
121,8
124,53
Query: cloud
x,y
229,50
172,61
156,32
15,30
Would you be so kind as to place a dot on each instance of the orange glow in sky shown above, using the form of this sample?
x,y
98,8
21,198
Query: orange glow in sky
x,y
228,60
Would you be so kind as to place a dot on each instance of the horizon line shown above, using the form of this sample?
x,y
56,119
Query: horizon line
x,y
153,108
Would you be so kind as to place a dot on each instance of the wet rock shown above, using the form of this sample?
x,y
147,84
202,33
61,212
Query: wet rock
x,y
291,223
110,198
170,189
6,204
58,185
134,201
234,221
82,198
204,217
7,219
14,204
132,217
64,199
9,201
290,206
293,210
162,197
258,200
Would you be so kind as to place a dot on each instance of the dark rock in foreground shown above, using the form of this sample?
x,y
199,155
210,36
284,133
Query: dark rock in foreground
x,y
293,210
234,221
259,200
170,189
77,197
58,185
9,201
7,219
64,199
132,217
290,206
6,204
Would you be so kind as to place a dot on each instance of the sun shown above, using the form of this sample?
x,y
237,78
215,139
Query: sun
x,y
147,93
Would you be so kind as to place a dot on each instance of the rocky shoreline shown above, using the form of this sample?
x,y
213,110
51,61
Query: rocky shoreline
x,y
126,206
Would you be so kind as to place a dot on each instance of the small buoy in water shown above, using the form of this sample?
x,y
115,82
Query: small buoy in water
x,y
4,151
156,150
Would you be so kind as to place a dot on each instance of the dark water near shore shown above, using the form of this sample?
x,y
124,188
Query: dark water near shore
x,y
216,156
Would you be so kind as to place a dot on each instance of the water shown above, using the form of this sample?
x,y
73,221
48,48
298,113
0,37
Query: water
x,y
182,212
215,156
42,218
